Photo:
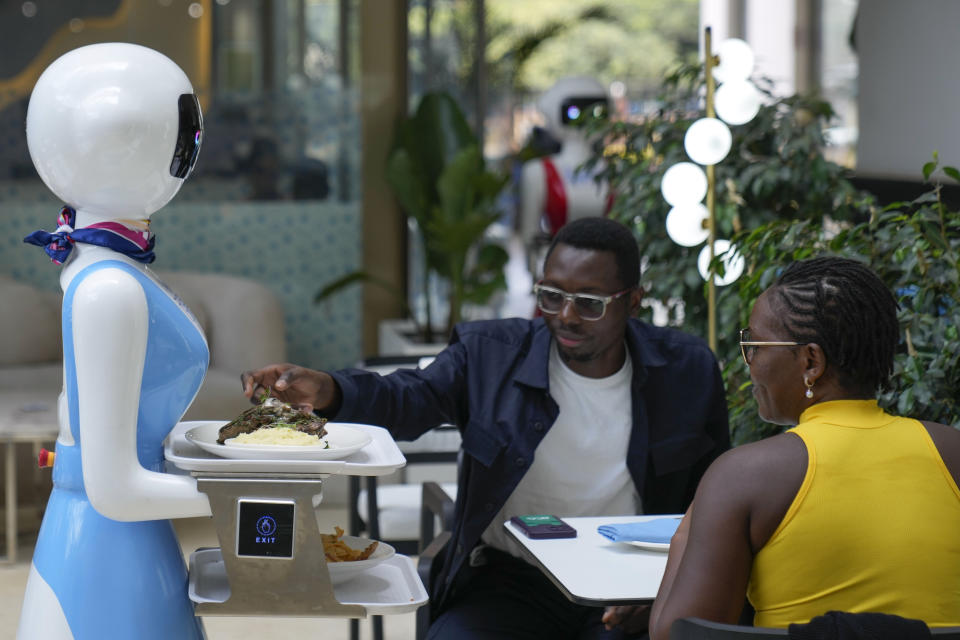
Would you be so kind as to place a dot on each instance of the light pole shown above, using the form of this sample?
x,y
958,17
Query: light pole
x,y
707,142
711,202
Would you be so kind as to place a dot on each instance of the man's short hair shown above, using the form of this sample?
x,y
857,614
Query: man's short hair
x,y
603,234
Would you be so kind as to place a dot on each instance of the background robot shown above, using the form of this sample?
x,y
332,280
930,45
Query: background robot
x,y
113,130
552,190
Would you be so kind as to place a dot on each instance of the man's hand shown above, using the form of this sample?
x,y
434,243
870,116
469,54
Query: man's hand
x,y
631,619
304,388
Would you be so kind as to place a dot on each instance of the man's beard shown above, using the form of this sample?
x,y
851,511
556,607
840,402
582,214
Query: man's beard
x,y
568,357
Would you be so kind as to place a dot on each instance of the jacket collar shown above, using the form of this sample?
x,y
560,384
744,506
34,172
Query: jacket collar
x,y
533,368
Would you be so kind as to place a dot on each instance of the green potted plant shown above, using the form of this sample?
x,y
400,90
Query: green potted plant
x,y
437,172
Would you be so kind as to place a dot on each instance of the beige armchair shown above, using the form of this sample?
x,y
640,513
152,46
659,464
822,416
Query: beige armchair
x,y
242,319
244,325
243,322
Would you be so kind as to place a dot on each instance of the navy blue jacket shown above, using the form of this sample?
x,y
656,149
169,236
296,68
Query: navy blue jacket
x,y
491,381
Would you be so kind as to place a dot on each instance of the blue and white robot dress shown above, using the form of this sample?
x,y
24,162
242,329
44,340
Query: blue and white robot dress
x,y
115,579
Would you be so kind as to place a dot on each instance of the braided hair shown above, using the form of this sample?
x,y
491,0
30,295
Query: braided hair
x,y
603,234
844,307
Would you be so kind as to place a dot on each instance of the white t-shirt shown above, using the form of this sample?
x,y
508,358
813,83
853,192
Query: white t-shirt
x,y
580,466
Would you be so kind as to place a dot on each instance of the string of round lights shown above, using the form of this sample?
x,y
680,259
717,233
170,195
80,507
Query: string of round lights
x,y
707,142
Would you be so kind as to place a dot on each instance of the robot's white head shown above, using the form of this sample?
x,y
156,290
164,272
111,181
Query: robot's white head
x,y
569,101
114,129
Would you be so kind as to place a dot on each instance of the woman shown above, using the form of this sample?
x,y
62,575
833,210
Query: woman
x,y
853,509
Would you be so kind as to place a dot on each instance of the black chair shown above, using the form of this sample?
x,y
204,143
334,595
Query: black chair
x,y
368,522
698,629
435,505
367,506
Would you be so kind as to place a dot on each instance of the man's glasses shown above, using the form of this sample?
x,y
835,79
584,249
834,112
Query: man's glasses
x,y
748,347
587,305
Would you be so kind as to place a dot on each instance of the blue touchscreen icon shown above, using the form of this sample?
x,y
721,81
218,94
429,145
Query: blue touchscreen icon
x,y
266,525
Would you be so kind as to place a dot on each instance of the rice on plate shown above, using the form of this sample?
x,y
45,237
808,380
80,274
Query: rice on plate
x,y
278,434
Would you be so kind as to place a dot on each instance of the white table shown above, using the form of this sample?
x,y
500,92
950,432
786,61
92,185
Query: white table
x,y
593,570
29,417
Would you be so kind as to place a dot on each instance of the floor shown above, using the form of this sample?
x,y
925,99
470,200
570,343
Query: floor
x,y
194,533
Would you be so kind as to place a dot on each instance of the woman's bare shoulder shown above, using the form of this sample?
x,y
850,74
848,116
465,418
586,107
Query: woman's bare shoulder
x,y
764,456
758,481
770,468
943,430
947,441
946,438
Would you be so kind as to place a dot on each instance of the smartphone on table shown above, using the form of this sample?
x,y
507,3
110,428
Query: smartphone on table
x,y
542,526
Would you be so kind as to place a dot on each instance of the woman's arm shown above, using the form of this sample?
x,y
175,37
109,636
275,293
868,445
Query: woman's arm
x,y
738,505
709,562
678,545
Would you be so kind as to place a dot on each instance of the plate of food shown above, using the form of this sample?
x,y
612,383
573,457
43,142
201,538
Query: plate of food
x,y
275,430
349,556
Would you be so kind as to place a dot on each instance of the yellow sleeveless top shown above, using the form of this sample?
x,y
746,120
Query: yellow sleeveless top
x,y
874,527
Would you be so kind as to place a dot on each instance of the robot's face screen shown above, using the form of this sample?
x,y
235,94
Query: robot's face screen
x,y
580,109
189,136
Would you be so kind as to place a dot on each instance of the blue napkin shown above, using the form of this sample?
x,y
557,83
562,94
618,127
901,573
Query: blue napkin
x,y
659,530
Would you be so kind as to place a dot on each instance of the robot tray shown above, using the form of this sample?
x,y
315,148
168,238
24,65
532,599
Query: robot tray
x,y
379,457
388,588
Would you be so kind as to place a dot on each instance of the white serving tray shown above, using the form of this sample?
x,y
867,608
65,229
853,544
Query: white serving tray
x,y
388,588
380,457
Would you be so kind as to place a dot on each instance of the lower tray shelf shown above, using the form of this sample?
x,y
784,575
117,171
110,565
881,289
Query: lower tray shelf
x,y
388,588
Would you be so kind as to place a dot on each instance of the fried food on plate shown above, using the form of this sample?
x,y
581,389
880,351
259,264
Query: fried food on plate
x,y
337,550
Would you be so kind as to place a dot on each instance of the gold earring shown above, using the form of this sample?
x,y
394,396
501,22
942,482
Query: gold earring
x,y
809,385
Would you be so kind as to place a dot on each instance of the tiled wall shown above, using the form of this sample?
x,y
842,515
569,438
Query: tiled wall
x,y
294,247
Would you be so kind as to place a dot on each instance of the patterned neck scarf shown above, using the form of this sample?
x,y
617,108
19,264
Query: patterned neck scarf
x,y
129,237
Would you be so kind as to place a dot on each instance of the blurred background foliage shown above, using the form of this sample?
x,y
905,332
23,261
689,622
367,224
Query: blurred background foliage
x,y
538,41
533,43
440,178
779,199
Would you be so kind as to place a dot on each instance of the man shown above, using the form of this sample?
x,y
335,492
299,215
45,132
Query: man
x,y
583,412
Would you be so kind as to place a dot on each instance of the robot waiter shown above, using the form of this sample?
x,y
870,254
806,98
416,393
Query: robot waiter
x,y
553,189
114,130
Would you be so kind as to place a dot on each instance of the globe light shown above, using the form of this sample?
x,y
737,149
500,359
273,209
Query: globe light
x,y
707,141
736,60
683,183
737,101
732,263
686,224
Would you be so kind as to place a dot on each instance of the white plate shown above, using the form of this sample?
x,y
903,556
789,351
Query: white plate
x,y
650,546
345,570
343,441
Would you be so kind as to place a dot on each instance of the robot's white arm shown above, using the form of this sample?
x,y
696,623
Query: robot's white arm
x,y
110,340
533,199
533,203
